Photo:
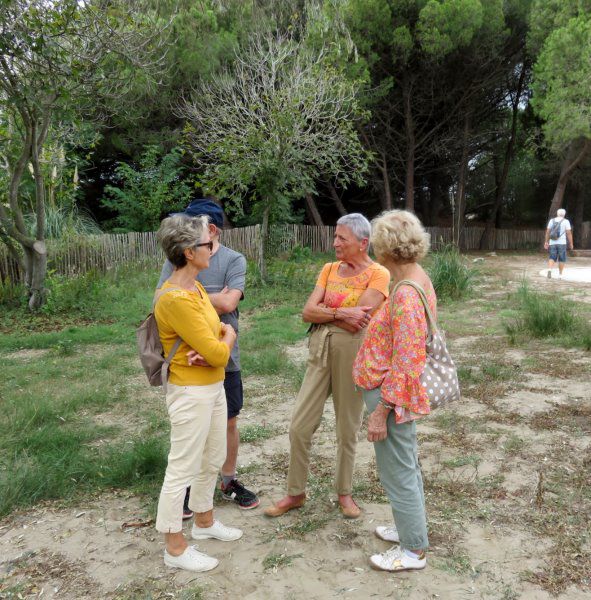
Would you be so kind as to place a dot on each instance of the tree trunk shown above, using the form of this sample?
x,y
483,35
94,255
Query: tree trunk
x,y
409,184
313,210
263,243
488,239
573,159
578,215
387,197
460,204
423,198
38,266
336,199
437,197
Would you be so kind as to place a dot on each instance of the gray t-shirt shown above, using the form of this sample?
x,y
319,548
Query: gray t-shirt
x,y
227,268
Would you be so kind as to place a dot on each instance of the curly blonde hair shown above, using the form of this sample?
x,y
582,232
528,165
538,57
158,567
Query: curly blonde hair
x,y
398,235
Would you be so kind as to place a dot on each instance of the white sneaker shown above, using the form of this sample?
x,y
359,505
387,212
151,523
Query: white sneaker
x,y
191,560
396,559
388,533
217,531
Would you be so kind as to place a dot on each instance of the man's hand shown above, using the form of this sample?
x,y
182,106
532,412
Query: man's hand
x,y
228,334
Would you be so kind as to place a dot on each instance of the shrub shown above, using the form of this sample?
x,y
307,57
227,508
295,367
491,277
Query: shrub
x,y
82,294
11,294
451,277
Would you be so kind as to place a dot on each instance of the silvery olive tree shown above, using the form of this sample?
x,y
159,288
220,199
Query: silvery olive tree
x,y
269,128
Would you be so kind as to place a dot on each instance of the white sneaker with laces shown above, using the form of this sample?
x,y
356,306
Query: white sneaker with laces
x,y
388,533
191,560
217,531
396,559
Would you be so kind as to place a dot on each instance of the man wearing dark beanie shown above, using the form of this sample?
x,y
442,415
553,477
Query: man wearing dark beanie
x,y
224,281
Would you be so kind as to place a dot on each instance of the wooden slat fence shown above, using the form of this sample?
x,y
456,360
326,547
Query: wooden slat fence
x,y
103,252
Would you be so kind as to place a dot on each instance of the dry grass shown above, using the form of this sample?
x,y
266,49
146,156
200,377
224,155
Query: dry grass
x,y
566,417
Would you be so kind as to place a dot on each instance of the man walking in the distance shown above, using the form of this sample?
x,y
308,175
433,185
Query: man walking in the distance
x,y
558,232
224,281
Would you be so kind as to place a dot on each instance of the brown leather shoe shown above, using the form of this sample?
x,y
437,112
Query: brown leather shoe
x,y
277,511
350,512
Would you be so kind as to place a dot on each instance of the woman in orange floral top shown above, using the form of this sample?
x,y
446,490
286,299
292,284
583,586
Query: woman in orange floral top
x,y
346,294
387,368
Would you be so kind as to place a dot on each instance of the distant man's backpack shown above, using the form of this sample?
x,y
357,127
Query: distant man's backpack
x,y
151,352
555,229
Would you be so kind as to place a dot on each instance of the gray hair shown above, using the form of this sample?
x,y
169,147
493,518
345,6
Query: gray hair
x,y
560,212
358,224
179,232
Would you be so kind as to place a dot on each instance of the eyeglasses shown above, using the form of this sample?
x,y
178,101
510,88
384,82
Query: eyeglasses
x,y
208,244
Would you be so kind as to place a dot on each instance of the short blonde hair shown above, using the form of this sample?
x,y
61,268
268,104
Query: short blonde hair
x,y
179,232
398,235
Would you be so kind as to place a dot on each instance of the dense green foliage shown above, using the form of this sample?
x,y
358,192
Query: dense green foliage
x,y
147,193
465,111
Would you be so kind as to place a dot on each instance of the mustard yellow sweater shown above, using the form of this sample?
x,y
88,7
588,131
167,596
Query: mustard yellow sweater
x,y
191,316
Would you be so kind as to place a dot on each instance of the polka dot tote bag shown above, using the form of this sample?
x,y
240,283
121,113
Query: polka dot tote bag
x,y
440,377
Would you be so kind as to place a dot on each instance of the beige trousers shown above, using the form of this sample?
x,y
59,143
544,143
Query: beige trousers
x,y
198,423
329,371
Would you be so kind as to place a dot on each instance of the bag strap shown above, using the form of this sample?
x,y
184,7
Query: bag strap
x,y
431,323
173,350
178,341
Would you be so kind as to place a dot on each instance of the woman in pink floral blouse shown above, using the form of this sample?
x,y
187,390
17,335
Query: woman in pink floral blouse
x,y
387,369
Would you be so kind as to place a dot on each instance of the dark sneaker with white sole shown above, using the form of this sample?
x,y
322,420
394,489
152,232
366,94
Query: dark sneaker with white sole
x,y
238,493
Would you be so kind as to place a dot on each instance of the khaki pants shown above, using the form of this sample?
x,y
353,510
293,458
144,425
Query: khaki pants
x,y
329,371
198,423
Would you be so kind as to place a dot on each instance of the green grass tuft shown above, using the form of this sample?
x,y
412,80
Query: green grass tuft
x,y
543,316
451,277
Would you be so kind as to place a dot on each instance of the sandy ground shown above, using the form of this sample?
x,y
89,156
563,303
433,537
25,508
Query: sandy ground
x,y
87,552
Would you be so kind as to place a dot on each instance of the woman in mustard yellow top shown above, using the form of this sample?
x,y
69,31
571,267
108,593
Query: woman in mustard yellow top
x,y
195,395
347,292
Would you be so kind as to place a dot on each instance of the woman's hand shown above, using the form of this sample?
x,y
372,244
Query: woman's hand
x,y
356,316
376,425
196,360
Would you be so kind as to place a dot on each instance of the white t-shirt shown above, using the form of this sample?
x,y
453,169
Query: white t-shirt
x,y
564,227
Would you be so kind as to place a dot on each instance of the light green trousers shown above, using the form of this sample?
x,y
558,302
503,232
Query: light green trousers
x,y
330,363
400,474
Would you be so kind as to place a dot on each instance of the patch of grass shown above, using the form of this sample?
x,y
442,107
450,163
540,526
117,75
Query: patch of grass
x,y
491,380
462,461
456,562
569,565
274,562
151,589
250,434
368,488
545,316
574,417
307,523
513,444
452,278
